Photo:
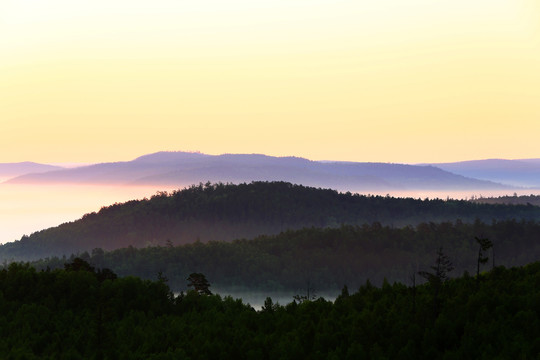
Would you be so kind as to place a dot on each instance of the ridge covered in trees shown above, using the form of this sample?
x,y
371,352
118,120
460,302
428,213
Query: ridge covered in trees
x,y
326,258
219,212
73,313
509,200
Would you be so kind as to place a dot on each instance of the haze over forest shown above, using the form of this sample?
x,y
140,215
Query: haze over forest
x,y
328,141
49,195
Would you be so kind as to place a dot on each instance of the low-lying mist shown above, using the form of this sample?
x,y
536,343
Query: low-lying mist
x,y
26,208
257,298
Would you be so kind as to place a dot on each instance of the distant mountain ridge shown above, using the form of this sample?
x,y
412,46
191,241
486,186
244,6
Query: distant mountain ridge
x,y
9,170
521,172
183,169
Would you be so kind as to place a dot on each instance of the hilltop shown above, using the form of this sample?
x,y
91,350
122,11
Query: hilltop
x,y
219,212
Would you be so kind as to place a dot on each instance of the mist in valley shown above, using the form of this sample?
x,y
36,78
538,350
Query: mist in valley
x,y
27,208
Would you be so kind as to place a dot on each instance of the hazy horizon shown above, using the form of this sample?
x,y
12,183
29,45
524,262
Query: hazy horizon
x,y
26,208
72,164
403,81
393,81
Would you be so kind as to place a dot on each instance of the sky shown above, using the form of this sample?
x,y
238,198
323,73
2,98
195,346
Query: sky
x,y
389,80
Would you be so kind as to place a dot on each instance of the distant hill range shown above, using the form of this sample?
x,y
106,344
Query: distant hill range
x,y
218,212
523,173
10,170
180,169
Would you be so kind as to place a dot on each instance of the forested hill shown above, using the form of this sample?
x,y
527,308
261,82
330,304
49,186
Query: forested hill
x,y
226,212
511,200
327,258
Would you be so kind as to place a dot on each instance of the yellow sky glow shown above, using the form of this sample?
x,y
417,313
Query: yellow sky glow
x,y
390,80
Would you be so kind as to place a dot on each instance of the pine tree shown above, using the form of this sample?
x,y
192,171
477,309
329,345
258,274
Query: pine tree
x,y
484,245
438,277
199,283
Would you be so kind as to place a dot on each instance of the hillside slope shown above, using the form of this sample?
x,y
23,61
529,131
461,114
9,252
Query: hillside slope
x,y
227,212
327,258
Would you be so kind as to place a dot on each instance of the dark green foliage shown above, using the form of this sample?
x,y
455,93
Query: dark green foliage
x,y
328,258
437,277
63,314
218,212
78,264
440,270
484,245
199,283
529,200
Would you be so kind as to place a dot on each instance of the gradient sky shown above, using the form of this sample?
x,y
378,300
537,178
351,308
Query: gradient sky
x,y
387,80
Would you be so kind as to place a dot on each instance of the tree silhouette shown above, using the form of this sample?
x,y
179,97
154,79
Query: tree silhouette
x,y
442,267
484,245
269,305
309,296
79,264
199,283
438,277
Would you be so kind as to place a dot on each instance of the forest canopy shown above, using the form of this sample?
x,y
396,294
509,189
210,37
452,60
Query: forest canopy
x,y
328,258
225,212
73,313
